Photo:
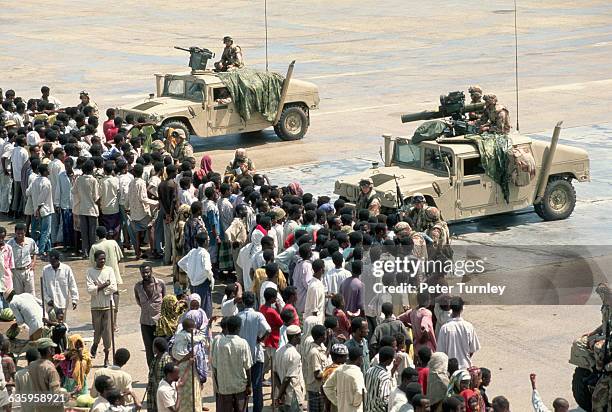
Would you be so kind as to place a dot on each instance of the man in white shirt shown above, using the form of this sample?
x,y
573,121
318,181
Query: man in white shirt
x,y
315,295
58,283
6,181
458,337
333,279
45,97
167,398
56,166
103,385
345,388
109,201
288,367
18,158
198,267
42,201
27,311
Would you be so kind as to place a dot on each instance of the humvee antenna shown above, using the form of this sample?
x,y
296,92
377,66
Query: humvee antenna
x,y
516,76
266,24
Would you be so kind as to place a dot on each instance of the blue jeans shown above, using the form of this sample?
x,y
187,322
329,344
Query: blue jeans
x,y
125,224
44,241
257,385
67,227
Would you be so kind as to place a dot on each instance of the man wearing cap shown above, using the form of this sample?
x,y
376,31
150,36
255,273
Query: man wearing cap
x,y
288,367
339,355
183,150
416,215
45,378
368,199
495,118
476,97
85,102
346,388
27,311
231,58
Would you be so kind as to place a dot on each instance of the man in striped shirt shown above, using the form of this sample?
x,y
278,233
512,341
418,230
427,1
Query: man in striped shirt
x,y
378,382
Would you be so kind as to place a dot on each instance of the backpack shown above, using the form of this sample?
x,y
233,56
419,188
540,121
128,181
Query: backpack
x,y
521,165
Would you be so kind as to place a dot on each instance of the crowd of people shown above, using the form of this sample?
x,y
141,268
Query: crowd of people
x,y
299,312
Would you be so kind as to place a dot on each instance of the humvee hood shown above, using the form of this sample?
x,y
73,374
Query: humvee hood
x,y
158,105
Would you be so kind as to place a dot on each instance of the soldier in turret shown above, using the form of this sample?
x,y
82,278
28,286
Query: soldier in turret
x,y
231,58
476,97
495,118
368,199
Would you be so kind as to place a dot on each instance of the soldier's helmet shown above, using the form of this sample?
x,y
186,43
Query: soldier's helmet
x,y
490,98
227,38
418,198
475,89
366,182
432,213
402,229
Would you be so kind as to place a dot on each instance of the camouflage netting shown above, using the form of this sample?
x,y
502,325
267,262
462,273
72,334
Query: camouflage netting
x,y
430,130
494,151
254,91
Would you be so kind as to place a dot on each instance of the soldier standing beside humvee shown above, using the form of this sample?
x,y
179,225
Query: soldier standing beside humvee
x,y
368,199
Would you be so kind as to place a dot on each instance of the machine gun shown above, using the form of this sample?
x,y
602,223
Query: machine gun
x,y
198,58
452,107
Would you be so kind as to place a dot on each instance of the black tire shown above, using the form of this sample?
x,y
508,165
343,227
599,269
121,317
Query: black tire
x,y
293,123
177,124
580,390
558,201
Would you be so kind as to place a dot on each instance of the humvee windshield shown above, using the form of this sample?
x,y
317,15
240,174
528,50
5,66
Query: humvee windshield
x,y
183,89
408,154
434,160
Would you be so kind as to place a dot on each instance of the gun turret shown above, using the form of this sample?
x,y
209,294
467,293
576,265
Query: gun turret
x,y
198,57
452,106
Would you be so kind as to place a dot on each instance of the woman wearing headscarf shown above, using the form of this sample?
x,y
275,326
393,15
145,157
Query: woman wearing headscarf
x,y
459,382
245,256
170,312
205,168
76,366
179,277
181,351
474,402
437,380
194,303
295,189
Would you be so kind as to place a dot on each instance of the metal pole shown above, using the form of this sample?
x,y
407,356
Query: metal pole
x,y
112,318
516,76
192,360
266,24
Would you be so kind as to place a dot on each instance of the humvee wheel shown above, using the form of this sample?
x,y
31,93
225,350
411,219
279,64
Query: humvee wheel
x,y
177,124
580,389
558,201
293,123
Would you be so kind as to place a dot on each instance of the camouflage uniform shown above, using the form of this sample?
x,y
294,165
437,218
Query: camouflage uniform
x,y
418,219
419,248
495,116
476,96
183,151
369,201
230,58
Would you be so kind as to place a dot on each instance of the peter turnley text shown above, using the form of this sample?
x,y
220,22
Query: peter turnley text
x,y
459,288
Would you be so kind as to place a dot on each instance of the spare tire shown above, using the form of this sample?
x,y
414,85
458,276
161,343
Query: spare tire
x,y
581,390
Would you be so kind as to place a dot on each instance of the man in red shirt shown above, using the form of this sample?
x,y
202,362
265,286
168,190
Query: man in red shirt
x,y
109,124
290,297
272,315
423,356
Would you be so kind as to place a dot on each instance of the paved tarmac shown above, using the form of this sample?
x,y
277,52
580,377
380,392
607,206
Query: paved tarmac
x,y
372,63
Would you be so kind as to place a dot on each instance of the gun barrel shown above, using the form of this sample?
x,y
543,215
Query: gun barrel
x,y
424,115
474,107
181,48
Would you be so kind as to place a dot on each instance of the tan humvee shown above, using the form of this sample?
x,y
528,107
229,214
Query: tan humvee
x,y
194,102
460,188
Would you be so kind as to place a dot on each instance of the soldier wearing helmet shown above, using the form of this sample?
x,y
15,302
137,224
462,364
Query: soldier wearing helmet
x,y
437,231
476,97
231,58
495,118
416,216
368,199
